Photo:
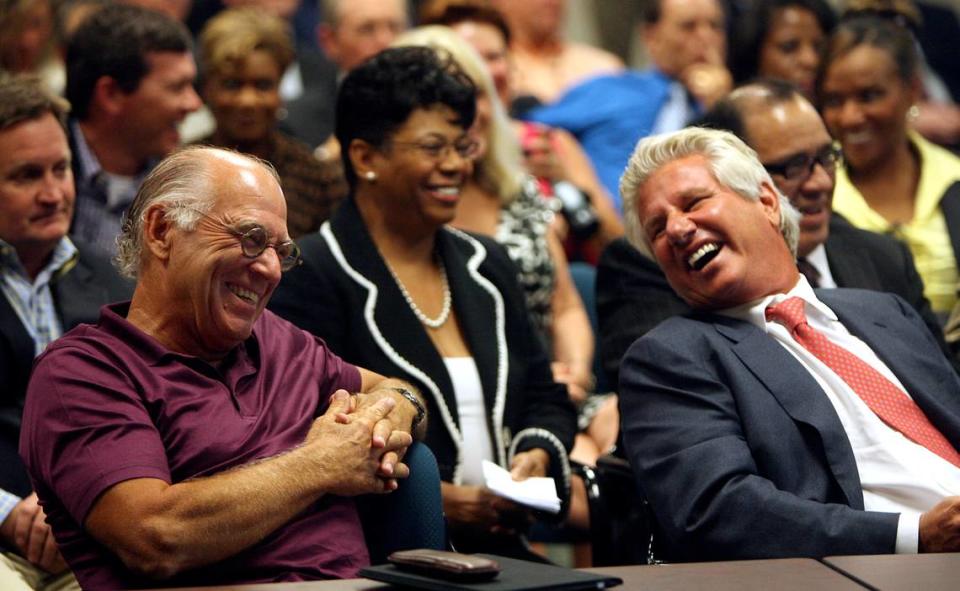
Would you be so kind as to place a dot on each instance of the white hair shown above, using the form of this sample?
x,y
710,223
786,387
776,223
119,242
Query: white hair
x,y
732,163
183,182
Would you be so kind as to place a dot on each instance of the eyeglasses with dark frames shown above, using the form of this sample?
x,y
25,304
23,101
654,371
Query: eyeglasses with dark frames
x,y
798,168
254,240
439,149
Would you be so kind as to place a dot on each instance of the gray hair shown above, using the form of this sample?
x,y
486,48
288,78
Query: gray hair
x,y
184,184
732,163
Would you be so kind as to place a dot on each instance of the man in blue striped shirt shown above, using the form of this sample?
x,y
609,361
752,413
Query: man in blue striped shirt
x,y
46,288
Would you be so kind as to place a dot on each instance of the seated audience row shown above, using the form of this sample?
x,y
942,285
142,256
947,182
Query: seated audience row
x,y
206,227
443,267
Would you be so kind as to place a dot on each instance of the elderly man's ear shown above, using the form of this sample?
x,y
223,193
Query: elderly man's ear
x,y
157,232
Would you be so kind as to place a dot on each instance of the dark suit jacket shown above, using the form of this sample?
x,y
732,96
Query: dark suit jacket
x,y
345,294
633,295
740,451
940,26
310,118
78,295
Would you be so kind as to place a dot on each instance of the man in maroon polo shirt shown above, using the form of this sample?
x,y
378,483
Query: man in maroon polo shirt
x,y
178,438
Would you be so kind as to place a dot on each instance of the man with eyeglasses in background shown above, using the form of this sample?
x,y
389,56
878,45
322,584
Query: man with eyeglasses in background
x,y
177,439
792,143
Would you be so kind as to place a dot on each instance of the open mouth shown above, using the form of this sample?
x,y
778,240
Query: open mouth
x,y
446,192
858,137
246,295
703,255
811,210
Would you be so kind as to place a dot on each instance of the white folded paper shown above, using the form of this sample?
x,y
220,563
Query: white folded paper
x,y
539,493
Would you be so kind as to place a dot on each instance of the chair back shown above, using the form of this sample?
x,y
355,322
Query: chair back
x,y
585,279
622,525
409,517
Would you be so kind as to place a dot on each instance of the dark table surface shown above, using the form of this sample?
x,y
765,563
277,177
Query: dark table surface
x,y
902,572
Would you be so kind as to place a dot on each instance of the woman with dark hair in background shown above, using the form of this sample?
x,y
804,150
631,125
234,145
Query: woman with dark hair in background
x,y
782,39
893,180
243,55
387,283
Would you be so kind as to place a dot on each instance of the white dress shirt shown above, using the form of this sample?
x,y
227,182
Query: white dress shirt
x,y
818,258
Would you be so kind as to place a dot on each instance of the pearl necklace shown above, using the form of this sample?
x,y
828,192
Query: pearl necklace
x,y
423,318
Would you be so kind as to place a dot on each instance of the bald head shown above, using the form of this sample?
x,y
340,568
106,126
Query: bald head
x,y
780,124
209,233
186,184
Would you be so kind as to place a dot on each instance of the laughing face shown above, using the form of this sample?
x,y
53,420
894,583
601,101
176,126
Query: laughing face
x,y
787,131
717,249
244,98
865,103
218,292
161,101
420,173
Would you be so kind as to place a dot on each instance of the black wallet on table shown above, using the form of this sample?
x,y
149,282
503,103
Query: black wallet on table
x,y
514,575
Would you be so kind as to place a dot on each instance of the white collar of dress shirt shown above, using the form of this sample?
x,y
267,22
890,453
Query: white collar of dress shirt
x,y
755,312
818,258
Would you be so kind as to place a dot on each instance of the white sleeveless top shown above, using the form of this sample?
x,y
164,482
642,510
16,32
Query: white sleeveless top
x,y
477,444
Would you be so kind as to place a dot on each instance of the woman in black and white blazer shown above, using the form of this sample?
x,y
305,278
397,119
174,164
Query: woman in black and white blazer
x,y
391,287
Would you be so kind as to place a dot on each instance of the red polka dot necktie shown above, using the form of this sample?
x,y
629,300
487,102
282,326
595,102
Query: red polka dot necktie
x,y
886,400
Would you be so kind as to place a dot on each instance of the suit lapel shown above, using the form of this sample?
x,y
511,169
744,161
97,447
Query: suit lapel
x,y
950,206
479,309
800,396
77,296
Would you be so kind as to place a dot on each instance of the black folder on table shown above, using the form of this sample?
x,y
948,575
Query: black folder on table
x,y
515,575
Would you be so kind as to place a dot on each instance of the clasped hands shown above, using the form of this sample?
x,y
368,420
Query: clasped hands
x,y
361,440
